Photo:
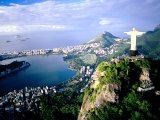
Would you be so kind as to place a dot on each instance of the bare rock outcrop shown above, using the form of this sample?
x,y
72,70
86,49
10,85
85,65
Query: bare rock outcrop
x,y
106,94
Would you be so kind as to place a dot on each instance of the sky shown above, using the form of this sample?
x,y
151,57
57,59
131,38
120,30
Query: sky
x,y
115,16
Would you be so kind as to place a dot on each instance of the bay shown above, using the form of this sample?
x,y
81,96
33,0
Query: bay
x,y
44,71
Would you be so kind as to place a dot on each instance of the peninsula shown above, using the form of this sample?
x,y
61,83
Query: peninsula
x,y
12,67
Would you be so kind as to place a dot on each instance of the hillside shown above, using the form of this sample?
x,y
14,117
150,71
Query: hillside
x,y
106,39
124,88
148,44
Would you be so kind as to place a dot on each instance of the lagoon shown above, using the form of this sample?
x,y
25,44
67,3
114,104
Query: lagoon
x,y
44,71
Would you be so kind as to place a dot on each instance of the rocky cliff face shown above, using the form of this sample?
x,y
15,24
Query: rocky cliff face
x,y
108,94
99,96
145,81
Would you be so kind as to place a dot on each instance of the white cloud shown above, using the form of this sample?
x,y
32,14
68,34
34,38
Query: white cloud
x,y
104,22
87,14
9,29
101,1
14,29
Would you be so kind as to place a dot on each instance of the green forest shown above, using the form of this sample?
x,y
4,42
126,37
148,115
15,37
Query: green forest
x,y
61,106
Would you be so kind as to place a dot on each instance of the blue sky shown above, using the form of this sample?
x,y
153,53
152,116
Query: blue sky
x,y
27,2
8,2
115,16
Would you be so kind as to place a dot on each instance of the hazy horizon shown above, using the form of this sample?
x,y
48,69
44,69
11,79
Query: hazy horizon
x,y
43,40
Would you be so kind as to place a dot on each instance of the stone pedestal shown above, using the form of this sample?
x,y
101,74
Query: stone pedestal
x,y
133,52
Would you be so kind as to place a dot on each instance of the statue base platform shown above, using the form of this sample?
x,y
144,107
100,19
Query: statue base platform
x,y
133,52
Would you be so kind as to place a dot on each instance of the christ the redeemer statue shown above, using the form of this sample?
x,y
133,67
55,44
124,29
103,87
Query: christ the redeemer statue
x,y
134,33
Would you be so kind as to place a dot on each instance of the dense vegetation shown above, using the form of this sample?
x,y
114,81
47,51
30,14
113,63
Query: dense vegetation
x,y
61,106
133,105
66,103
74,61
13,65
149,43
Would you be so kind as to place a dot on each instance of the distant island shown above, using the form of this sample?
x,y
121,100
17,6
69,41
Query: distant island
x,y
8,41
12,67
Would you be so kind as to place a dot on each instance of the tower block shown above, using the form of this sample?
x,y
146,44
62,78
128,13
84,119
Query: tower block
x,y
134,33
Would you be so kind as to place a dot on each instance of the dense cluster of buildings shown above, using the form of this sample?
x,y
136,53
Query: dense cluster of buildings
x,y
14,54
24,99
76,49
86,72
36,52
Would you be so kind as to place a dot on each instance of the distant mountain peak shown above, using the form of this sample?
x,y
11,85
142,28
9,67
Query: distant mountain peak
x,y
105,38
157,27
105,32
108,34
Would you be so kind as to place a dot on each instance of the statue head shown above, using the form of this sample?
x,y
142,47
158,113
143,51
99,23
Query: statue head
x,y
133,29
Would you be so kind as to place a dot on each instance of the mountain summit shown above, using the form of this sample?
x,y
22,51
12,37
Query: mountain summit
x,y
157,27
106,39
